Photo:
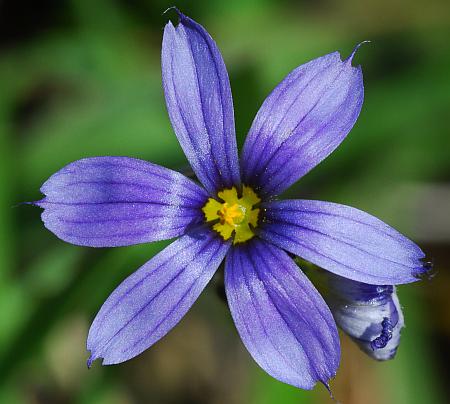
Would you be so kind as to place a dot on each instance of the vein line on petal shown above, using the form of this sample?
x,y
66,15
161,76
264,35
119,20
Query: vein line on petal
x,y
137,313
282,316
286,358
275,152
139,282
175,306
348,244
282,92
200,162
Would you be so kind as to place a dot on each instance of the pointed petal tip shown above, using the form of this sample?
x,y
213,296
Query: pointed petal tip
x,y
40,203
150,302
196,86
93,357
180,15
169,25
33,203
90,360
355,49
261,277
328,387
174,8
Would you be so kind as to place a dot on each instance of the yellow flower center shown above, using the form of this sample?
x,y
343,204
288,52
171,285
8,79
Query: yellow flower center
x,y
231,215
234,215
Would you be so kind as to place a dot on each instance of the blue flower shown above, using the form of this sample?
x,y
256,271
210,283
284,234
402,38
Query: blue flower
x,y
235,216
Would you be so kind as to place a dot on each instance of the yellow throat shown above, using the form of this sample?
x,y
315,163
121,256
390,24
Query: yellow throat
x,y
233,215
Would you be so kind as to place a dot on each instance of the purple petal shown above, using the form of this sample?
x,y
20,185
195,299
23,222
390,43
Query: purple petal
x,y
116,201
370,314
199,103
280,316
150,302
301,122
343,240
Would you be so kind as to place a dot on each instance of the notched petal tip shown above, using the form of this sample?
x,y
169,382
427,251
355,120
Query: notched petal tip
x,y
355,49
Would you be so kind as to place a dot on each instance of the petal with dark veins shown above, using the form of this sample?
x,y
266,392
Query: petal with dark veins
x,y
118,201
281,318
150,302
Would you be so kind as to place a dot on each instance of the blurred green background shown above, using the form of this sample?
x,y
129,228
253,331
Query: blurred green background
x,y
82,78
